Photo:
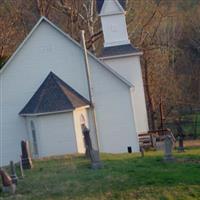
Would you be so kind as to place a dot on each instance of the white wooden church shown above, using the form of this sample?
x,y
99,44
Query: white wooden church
x,y
44,93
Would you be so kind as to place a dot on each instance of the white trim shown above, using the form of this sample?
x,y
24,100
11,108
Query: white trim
x,y
53,112
132,91
112,13
117,43
71,39
120,5
121,56
74,128
46,113
80,108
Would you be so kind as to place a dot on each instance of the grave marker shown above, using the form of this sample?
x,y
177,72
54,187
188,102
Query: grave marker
x,y
13,173
26,158
8,186
92,154
168,146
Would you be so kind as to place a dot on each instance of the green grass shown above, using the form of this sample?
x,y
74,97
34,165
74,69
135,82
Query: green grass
x,y
190,124
190,128
125,176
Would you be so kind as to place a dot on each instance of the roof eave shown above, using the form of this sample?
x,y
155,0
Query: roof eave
x,y
53,112
121,55
112,13
46,113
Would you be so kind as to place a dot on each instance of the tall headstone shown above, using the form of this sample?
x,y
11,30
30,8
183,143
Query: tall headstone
x,y
168,147
180,144
21,169
26,158
92,154
13,173
7,183
87,140
142,151
180,136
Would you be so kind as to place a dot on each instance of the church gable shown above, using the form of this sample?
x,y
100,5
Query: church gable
x,y
54,95
45,39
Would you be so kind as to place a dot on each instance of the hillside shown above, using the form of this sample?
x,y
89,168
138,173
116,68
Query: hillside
x,y
166,31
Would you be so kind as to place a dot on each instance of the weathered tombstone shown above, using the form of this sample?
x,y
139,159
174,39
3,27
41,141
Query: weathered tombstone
x,y
95,159
180,144
168,146
153,138
180,136
26,158
8,186
21,168
87,140
13,173
92,154
142,151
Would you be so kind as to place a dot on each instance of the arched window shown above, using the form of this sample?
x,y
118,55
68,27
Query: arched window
x,y
34,139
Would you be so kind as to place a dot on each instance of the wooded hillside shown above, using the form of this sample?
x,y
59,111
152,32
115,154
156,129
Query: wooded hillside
x,y
167,31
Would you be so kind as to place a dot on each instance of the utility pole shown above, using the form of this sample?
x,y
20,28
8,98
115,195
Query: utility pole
x,y
95,158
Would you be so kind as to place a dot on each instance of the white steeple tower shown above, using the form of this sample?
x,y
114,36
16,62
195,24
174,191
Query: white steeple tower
x,y
113,23
122,56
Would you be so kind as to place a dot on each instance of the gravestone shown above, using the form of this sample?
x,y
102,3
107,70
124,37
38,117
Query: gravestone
x,y
180,136
92,154
26,158
21,169
7,183
180,144
168,146
87,140
142,151
13,173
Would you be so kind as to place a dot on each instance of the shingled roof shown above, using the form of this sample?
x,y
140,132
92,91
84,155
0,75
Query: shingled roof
x,y
54,95
118,50
100,4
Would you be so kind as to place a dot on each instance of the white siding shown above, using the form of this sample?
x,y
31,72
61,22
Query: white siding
x,y
114,30
57,134
48,50
130,68
115,118
114,24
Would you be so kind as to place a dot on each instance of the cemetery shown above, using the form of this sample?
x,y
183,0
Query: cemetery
x,y
168,174
86,121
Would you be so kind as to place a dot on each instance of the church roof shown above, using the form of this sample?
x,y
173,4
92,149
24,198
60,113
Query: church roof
x,y
118,50
54,95
100,4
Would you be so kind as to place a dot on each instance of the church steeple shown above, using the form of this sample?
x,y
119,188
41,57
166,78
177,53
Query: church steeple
x,y
122,56
112,13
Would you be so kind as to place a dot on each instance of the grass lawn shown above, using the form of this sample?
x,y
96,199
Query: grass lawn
x,y
190,128
126,176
